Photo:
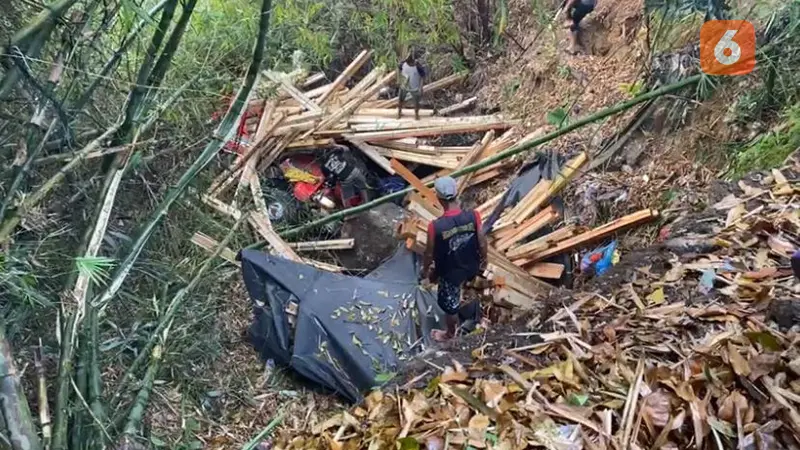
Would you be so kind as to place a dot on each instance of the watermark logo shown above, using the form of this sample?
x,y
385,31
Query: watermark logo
x,y
727,47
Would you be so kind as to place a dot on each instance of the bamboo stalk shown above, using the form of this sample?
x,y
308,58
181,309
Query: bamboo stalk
x,y
226,127
332,244
140,403
253,444
14,407
600,115
9,224
130,38
172,309
44,410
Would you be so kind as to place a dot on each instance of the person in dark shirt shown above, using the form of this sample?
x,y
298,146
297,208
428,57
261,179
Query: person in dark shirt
x,y
341,167
457,249
576,10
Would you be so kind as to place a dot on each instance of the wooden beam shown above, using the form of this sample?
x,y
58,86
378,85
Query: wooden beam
x,y
458,106
429,88
259,220
295,93
432,131
547,216
428,196
567,173
429,160
351,70
541,243
373,154
599,233
551,271
370,124
332,244
209,244
313,79
472,157
391,113
351,106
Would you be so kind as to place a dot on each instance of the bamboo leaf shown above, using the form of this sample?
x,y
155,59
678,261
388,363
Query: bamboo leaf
x,y
134,8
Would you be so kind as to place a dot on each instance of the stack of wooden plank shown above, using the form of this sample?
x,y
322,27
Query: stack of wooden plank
x,y
304,112
514,256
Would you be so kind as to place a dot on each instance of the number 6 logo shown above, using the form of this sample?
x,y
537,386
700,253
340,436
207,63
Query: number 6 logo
x,y
727,47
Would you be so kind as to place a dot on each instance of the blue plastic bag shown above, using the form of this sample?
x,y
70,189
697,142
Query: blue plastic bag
x,y
600,259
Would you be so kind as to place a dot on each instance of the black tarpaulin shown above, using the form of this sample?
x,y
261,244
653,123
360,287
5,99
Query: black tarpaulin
x,y
348,329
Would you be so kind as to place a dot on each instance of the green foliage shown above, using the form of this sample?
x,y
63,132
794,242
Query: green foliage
x,y
771,149
96,267
558,117
632,89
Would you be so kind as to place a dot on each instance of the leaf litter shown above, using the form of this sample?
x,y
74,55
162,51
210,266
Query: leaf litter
x,y
689,355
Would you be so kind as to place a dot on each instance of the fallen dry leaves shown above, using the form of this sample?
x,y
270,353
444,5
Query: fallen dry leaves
x,y
682,357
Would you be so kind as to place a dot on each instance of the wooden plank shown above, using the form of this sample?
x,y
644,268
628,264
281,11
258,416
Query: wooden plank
x,y
472,157
313,79
567,173
541,243
432,131
547,216
488,206
331,244
391,113
295,93
458,106
421,208
425,149
310,143
599,233
209,244
386,124
536,192
362,85
351,70
551,271
221,206
434,161
428,196
374,155
259,220
429,88
351,106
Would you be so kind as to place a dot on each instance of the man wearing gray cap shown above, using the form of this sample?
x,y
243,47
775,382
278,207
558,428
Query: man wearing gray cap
x,y
457,249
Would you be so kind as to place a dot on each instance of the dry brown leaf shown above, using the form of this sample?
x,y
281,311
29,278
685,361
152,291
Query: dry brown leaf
x,y
734,401
450,374
763,364
493,392
735,214
657,408
739,364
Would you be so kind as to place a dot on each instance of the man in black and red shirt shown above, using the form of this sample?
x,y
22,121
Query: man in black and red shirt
x,y
457,248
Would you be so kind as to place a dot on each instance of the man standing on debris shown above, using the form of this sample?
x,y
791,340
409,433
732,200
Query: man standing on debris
x,y
576,10
411,78
457,247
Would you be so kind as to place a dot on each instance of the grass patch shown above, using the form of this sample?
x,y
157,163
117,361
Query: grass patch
x,y
770,149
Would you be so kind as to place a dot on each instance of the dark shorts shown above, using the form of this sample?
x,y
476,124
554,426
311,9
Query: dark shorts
x,y
449,296
578,13
416,96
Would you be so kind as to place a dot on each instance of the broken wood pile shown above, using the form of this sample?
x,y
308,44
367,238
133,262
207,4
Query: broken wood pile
x,y
695,346
302,114
514,258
